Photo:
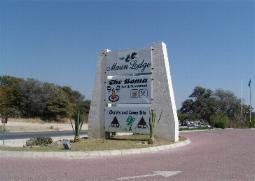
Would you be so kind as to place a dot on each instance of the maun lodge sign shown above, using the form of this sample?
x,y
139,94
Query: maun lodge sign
x,y
128,85
128,62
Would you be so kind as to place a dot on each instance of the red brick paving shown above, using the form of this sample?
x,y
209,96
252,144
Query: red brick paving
x,y
220,155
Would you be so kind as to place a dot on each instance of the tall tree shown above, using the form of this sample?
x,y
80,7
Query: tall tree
x,y
8,100
11,94
229,104
200,105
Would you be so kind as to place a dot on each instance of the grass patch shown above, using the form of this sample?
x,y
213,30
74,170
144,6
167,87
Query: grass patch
x,y
1,129
116,143
34,148
199,128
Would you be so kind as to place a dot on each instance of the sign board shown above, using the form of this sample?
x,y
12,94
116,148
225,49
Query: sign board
x,y
4,120
127,119
132,61
129,90
128,82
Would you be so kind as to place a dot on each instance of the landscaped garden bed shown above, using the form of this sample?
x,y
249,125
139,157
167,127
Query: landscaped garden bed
x,y
115,143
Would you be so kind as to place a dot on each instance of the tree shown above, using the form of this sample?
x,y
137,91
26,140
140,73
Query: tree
x,y
10,95
58,105
44,100
7,103
200,106
204,104
9,81
32,98
230,105
78,103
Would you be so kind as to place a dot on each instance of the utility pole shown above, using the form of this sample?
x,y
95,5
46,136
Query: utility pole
x,y
4,121
3,129
249,84
241,113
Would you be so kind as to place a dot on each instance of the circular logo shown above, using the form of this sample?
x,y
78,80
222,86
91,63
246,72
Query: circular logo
x,y
114,96
113,99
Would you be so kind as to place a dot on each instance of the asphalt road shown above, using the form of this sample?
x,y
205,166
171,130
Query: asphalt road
x,y
219,155
24,135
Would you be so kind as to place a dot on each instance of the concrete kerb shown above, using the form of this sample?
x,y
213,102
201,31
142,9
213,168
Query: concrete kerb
x,y
204,130
194,131
90,154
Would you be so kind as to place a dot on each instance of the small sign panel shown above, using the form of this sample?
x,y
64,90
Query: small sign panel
x,y
129,62
127,119
129,90
4,120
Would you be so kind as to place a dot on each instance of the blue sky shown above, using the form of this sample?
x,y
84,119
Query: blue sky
x,y
210,43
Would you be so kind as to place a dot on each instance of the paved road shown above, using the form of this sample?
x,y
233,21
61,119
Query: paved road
x,y
24,135
220,155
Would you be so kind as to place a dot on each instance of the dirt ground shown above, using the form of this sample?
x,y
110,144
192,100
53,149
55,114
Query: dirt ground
x,y
33,125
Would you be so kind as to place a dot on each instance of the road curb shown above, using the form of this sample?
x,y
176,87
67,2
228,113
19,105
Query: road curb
x,y
194,131
90,154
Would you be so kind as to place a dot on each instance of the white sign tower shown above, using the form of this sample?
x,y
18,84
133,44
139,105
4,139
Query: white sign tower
x,y
128,85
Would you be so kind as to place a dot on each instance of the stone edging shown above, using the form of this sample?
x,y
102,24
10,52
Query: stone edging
x,y
90,154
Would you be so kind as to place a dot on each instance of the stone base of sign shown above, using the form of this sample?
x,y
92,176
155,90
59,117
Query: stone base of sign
x,y
96,113
163,102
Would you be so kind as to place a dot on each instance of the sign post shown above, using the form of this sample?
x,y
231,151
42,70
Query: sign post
x,y
128,85
4,121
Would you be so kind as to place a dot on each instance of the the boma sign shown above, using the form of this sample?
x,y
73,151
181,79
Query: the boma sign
x,y
133,61
128,90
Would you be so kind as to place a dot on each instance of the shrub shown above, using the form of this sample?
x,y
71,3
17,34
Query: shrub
x,y
220,120
220,124
39,141
252,123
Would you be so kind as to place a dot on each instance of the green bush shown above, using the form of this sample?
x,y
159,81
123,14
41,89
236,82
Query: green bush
x,y
220,120
39,141
220,124
252,123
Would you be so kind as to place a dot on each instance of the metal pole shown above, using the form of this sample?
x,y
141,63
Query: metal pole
x,y
3,128
241,114
250,104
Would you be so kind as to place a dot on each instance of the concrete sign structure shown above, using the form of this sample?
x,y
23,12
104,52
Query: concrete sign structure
x,y
128,85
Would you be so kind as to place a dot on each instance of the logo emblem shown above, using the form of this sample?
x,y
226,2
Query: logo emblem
x,y
142,124
143,92
113,97
130,121
129,57
115,123
138,93
134,93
